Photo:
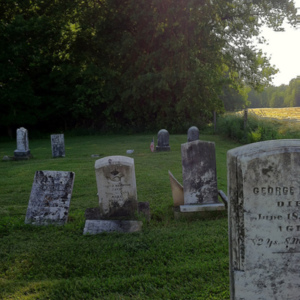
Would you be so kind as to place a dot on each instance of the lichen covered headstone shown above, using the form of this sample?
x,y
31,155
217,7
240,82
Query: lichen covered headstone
x,y
50,198
264,220
58,145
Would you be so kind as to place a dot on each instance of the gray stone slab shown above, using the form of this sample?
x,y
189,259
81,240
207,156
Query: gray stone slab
x,y
199,173
264,220
50,198
99,226
116,183
58,145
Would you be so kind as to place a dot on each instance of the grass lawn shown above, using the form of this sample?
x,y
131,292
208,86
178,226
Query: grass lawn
x,y
169,259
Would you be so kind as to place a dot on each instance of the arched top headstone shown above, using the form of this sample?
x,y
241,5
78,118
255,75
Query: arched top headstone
x,y
163,140
116,185
193,134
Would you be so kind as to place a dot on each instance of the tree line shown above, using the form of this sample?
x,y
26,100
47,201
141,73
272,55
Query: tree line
x,y
143,65
281,96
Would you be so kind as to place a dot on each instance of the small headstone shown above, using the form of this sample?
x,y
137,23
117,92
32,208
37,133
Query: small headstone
x,y
115,176
58,145
50,198
193,134
163,140
264,220
22,151
117,195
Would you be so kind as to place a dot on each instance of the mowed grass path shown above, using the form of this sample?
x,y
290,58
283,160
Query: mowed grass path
x,y
169,259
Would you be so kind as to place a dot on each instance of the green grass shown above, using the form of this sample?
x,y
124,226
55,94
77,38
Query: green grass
x,y
169,259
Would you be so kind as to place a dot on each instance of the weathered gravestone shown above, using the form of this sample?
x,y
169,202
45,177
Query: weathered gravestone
x,y
163,141
58,145
199,177
264,220
22,151
193,134
117,195
50,198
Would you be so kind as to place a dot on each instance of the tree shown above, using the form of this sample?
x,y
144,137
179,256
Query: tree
x,y
102,62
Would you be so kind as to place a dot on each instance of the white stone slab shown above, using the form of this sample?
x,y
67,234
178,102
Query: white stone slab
x,y
50,198
116,183
22,143
99,226
264,220
202,207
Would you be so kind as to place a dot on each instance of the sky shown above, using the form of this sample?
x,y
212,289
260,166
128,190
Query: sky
x,y
284,51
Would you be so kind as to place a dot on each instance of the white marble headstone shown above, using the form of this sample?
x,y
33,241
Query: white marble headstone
x,y
50,198
116,183
22,143
58,145
264,220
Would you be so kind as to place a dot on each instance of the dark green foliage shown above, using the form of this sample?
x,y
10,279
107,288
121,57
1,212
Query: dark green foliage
x,y
130,65
257,129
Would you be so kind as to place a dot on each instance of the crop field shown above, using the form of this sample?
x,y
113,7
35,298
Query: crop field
x,y
284,114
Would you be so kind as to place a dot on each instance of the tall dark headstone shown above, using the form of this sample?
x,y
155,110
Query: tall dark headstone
x,y
199,177
264,220
163,141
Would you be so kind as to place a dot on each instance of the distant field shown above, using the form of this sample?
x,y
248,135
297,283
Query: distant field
x,y
287,113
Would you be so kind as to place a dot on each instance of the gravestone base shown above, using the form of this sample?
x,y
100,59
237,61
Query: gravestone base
x,y
94,224
199,211
163,148
22,155
99,226
195,215
202,207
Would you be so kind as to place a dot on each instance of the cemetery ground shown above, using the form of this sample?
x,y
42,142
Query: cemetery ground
x,y
170,258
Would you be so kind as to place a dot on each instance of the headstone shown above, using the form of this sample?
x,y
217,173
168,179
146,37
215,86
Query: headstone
x,y
163,140
264,220
199,177
58,145
193,134
50,198
22,151
115,176
117,196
